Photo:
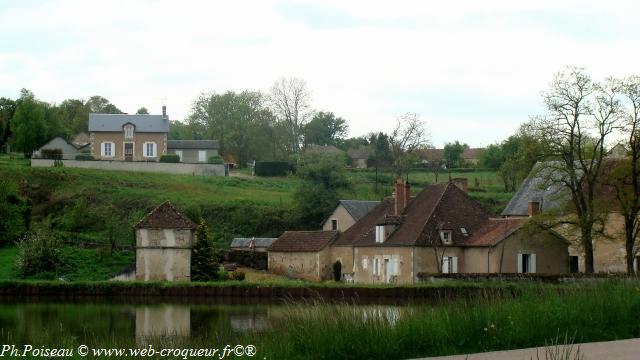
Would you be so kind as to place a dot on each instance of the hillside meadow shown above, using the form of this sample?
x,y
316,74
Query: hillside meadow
x,y
97,209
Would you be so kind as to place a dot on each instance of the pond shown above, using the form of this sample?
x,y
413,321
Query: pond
x,y
98,322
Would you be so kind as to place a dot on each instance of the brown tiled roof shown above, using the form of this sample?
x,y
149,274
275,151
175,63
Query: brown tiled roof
x,y
437,207
165,216
303,241
494,231
473,153
431,154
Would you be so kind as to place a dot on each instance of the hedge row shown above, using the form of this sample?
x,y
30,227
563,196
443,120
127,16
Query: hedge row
x,y
273,168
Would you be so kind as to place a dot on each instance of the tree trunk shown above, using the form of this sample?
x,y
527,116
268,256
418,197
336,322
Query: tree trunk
x,y
629,245
587,244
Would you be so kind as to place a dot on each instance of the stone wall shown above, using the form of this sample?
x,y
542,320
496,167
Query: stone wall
x,y
163,254
139,166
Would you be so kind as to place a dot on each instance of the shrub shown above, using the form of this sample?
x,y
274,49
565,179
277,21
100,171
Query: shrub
x,y
84,157
39,252
273,168
170,158
13,213
205,262
215,160
237,275
51,153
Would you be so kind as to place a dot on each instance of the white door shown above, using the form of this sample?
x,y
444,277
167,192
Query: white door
x,y
202,155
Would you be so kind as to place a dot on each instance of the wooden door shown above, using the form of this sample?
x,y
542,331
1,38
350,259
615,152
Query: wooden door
x,y
128,151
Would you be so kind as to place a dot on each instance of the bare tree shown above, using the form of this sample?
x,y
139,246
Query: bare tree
x,y
290,101
408,136
624,176
581,115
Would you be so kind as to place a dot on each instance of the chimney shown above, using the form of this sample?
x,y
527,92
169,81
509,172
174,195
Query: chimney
x,y
462,184
164,111
534,208
402,194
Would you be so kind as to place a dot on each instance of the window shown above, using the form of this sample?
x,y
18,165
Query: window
x,y
464,231
179,153
376,266
334,224
202,155
449,264
107,149
526,263
128,132
365,263
394,266
379,233
149,149
445,236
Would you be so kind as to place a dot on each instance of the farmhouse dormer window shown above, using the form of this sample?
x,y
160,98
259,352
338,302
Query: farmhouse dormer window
x,y
445,236
128,132
380,233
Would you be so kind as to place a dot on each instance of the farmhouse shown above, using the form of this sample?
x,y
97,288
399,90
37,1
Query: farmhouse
x,y
441,230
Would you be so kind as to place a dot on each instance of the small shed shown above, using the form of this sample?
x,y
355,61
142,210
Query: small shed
x,y
67,151
252,244
164,239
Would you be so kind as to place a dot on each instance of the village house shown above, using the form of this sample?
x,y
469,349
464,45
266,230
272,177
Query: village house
x,y
542,190
470,156
347,213
138,137
441,230
360,157
302,254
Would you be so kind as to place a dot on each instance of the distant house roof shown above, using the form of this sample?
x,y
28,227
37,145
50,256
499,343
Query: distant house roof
x,y
303,241
472,153
165,216
323,149
538,187
193,144
437,207
257,242
80,140
115,122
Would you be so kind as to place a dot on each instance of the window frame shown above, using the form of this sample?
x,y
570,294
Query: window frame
x,y
334,224
202,158
103,149
129,130
145,148
449,234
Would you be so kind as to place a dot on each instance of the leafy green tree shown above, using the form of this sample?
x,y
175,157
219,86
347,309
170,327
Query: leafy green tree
x,y
13,212
325,129
74,116
7,108
205,259
99,104
492,157
353,143
324,179
453,153
28,125
142,111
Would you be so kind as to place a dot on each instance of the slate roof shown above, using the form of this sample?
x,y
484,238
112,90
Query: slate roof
x,y
193,144
115,122
165,216
537,187
437,207
303,241
259,242
358,208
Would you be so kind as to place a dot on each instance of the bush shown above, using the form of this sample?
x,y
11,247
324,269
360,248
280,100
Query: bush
x,y
51,153
215,160
84,157
13,213
237,275
39,252
273,168
170,158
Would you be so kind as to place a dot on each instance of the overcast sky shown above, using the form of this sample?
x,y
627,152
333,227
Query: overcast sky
x,y
473,70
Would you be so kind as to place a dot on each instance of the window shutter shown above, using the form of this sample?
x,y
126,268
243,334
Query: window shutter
x,y
445,265
532,259
155,149
519,263
454,265
102,149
